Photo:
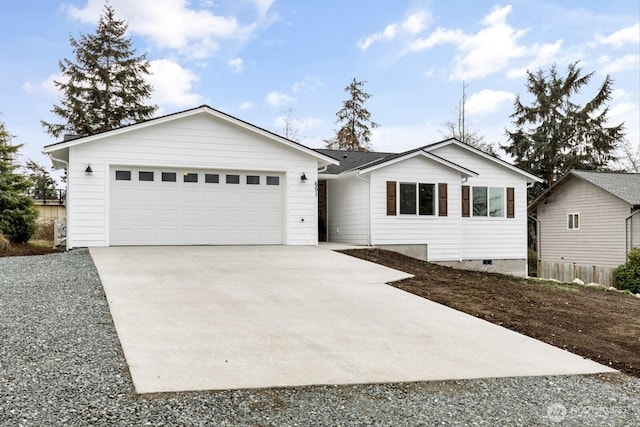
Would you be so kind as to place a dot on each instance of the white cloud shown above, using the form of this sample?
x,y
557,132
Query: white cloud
x,y
46,87
276,99
489,50
172,84
246,105
619,38
487,101
544,54
173,24
627,62
413,24
236,64
311,83
263,6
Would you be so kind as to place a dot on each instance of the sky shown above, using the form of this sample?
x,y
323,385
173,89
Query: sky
x,y
258,59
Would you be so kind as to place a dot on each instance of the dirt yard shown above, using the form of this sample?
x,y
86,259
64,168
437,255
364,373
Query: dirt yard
x,y
600,325
27,249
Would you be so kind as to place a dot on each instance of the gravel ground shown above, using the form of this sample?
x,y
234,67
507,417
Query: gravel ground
x,y
61,364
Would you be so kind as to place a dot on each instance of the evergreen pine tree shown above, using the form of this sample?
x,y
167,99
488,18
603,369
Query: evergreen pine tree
x,y
105,87
355,133
554,134
17,214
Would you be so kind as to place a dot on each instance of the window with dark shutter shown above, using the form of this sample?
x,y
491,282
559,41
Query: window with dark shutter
x,y
466,211
511,203
442,199
391,198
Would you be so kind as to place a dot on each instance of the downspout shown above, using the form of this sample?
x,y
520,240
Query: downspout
x,y
323,169
629,231
68,211
368,207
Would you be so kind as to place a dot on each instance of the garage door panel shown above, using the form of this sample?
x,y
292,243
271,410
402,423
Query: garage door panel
x,y
169,213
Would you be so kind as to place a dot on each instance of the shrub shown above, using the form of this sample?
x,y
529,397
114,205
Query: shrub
x,y
628,275
19,224
44,232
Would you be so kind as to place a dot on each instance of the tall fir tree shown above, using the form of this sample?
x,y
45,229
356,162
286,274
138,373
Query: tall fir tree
x,y
355,133
105,87
554,134
17,214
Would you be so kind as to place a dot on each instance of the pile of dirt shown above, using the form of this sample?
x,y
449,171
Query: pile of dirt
x,y
26,249
600,325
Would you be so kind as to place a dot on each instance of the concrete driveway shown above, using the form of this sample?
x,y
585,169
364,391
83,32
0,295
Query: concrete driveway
x,y
204,318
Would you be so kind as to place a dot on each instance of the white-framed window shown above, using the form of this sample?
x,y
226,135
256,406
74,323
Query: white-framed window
x,y
417,198
573,221
488,202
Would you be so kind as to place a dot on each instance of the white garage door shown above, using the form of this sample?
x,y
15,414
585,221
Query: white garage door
x,y
155,206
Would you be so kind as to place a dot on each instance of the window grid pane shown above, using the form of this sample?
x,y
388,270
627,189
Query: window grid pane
x,y
211,178
427,199
233,179
408,199
145,176
168,177
253,179
190,177
123,175
273,180
479,201
496,202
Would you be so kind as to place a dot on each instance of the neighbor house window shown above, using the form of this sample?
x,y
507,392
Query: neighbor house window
x,y
488,201
123,175
273,180
233,179
145,176
190,177
573,221
253,179
417,198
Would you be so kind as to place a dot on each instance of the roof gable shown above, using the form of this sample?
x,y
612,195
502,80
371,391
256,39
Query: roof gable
x,y
203,109
625,186
453,141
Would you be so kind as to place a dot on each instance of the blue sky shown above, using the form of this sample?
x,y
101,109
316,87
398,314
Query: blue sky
x,y
254,59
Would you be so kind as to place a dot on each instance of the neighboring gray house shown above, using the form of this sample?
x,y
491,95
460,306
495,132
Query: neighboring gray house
x,y
587,222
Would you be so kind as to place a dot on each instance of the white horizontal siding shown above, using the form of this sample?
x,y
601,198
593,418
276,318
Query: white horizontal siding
x,y
193,142
348,214
600,241
491,238
440,234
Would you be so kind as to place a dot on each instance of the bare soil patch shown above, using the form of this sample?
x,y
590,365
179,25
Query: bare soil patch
x,y
27,249
600,325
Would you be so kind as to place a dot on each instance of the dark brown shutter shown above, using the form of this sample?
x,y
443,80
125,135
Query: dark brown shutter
x,y
465,202
391,197
511,203
442,199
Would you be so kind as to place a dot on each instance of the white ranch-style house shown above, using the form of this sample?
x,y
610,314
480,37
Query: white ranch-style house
x,y
202,177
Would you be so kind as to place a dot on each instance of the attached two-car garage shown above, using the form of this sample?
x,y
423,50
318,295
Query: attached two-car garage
x,y
165,206
196,177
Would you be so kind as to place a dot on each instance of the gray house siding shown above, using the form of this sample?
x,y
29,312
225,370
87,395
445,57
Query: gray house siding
x,y
590,252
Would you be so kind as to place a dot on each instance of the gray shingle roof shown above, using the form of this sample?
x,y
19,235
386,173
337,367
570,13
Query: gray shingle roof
x,y
350,159
625,186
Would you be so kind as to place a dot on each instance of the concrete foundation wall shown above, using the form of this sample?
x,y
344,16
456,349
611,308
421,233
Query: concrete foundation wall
x,y
514,267
414,251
